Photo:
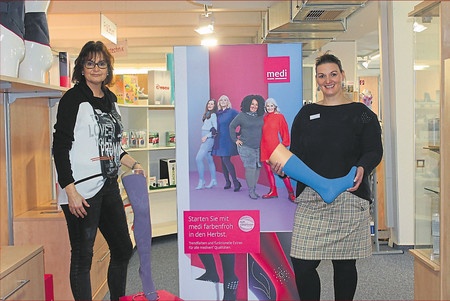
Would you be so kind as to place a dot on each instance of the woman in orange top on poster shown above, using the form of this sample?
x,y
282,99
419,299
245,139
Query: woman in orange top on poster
x,y
275,125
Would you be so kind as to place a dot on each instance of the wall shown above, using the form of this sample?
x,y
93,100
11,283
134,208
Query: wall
x,y
3,201
346,52
402,39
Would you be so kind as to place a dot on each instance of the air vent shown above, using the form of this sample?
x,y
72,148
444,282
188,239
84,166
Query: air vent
x,y
314,14
324,15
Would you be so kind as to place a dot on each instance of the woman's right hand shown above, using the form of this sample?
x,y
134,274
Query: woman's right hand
x,y
76,201
239,142
204,138
276,168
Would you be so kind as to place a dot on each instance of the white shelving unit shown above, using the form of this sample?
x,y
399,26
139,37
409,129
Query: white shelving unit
x,y
161,119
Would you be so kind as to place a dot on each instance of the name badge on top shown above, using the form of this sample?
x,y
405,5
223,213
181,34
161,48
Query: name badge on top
x,y
315,116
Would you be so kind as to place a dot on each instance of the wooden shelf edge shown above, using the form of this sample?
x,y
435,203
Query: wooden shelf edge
x,y
150,107
166,228
22,85
14,256
150,149
423,255
162,190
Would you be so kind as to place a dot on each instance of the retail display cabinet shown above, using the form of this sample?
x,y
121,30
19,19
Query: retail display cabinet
x,y
432,150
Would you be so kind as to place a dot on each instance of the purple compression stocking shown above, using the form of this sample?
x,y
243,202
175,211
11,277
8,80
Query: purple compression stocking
x,y
136,188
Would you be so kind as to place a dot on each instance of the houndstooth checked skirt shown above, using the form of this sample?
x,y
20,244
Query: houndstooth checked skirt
x,y
339,230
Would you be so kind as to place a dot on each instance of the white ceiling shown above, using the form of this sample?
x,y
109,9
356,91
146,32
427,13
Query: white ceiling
x,y
152,28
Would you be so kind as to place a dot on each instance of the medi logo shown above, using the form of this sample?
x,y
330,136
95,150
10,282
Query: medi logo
x,y
276,69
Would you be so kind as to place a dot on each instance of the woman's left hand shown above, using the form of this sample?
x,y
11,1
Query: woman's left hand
x,y
204,139
358,179
138,169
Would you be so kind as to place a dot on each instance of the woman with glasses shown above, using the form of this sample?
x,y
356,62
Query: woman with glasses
x,y
88,155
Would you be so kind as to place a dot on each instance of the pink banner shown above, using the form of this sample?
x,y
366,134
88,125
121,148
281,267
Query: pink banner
x,y
234,231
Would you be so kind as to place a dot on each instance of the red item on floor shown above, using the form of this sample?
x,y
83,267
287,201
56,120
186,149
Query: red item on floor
x,y
163,296
48,283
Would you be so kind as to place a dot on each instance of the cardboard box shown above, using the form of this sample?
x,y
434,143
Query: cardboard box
x,y
170,138
153,139
126,89
159,88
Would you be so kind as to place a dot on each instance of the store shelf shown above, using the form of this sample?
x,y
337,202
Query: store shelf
x,y
151,119
433,189
433,148
160,190
17,85
150,107
425,256
150,148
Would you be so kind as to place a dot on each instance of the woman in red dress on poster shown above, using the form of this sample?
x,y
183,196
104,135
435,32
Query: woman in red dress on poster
x,y
274,126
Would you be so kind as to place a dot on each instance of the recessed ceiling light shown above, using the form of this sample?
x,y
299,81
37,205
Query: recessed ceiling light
x,y
209,42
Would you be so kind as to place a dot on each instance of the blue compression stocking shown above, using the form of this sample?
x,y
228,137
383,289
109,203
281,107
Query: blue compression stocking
x,y
328,189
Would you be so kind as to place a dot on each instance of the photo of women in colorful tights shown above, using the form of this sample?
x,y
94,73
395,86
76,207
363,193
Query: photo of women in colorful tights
x,y
275,126
209,129
224,147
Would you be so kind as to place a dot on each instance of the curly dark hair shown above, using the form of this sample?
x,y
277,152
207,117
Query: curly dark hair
x,y
214,110
89,51
328,58
247,101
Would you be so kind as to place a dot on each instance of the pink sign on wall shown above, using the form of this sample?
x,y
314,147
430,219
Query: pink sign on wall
x,y
235,231
277,69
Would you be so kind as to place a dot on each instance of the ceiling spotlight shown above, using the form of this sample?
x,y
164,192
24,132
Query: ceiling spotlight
x,y
421,67
419,27
366,64
206,22
209,42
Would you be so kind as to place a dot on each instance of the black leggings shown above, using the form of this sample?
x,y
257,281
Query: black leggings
x,y
308,282
106,213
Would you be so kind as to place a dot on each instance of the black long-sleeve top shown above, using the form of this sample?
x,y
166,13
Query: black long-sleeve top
x,y
332,139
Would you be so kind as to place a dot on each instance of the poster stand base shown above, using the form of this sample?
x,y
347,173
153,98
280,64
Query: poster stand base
x,y
163,296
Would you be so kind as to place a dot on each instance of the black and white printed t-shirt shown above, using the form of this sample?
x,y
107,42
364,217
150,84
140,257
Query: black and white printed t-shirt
x,y
86,143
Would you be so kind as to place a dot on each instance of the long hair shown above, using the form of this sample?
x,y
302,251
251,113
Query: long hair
x,y
208,113
224,97
274,102
247,101
89,51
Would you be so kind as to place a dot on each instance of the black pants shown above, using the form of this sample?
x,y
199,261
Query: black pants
x,y
345,278
106,213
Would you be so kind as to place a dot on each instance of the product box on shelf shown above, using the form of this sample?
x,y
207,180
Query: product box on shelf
x,y
134,139
153,139
163,183
142,138
159,88
126,89
125,140
170,138
152,182
168,170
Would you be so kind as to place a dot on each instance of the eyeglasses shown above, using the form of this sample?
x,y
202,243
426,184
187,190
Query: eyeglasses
x,y
91,65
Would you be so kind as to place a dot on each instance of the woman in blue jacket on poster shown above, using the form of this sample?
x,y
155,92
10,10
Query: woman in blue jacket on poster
x,y
224,147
